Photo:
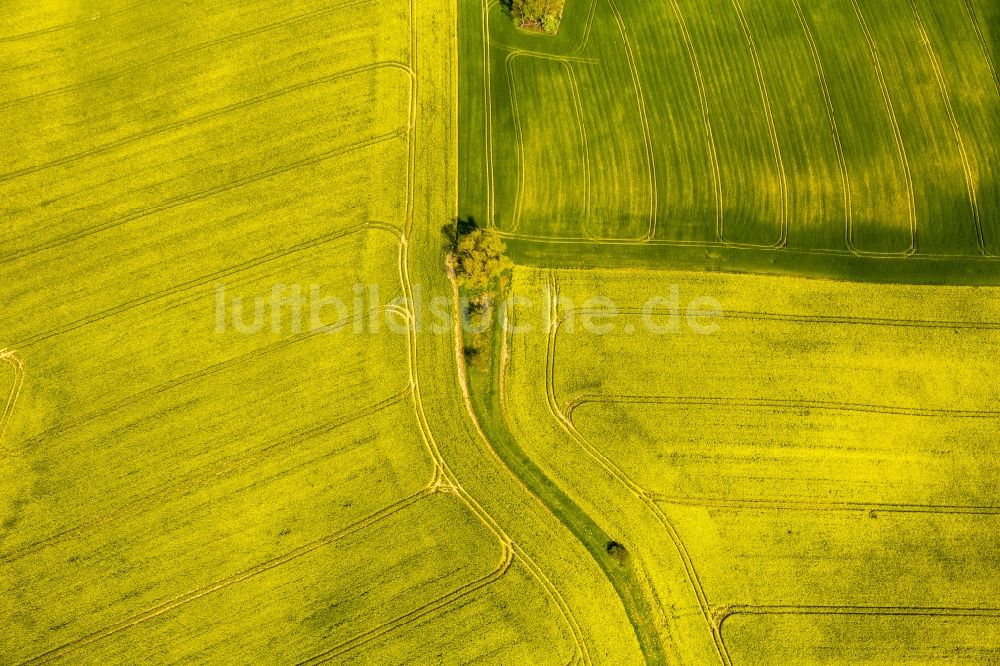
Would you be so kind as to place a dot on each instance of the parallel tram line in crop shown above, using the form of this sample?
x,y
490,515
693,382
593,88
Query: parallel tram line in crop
x,y
208,115
897,134
772,403
970,179
769,116
72,24
488,111
519,145
204,280
182,200
723,613
921,611
756,315
978,28
235,361
199,478
432,607
643,119
16,364
832,115
252,32
820,506
706,118
584,145
215,586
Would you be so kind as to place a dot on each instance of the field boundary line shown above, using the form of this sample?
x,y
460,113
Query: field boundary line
x,y
897,134
824,506
564,240
183,200
960,141
430,608
813,319
194,48
769,117
566,422
16,363
977,26
443,476
188,597
70,24
647,136
832,115
565,610
710,401
706,118
208,115
201,281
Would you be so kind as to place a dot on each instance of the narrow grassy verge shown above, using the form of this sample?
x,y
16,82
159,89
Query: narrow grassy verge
x,y
482,376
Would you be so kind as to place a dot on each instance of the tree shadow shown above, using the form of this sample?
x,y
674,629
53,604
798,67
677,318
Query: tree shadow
x,y
455,230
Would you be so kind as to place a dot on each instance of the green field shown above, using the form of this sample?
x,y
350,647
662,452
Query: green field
x,y
827,138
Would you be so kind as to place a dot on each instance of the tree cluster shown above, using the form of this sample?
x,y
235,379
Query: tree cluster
x,y
479,258
542,15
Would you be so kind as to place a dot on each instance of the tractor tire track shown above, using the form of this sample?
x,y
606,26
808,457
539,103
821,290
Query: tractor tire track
x,y
706,119
647,137
201,117
769,117
970,178
832,116
897,134
182,200
616,472
429,609
71,24
217,472
195,48
771,403
16,364
193,595
825,506
983,43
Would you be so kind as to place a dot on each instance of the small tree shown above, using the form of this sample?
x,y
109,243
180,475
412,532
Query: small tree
x,y
479,258
542,15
